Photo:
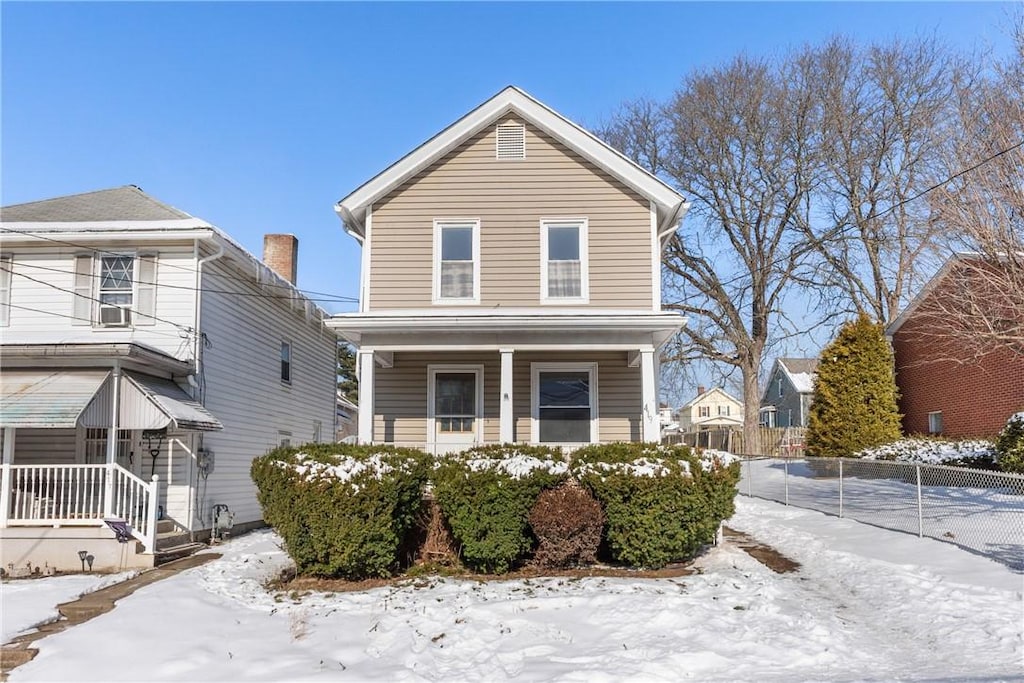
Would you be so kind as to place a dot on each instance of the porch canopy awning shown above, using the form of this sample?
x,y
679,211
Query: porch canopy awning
x,y
68,398
49,398
148,402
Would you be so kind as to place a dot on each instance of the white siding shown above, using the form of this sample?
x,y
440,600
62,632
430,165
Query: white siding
x,y
243,385
44,447
41,311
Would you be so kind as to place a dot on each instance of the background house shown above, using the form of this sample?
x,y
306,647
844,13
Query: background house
x,y
511,286
787,395
140,341
711,409
945,388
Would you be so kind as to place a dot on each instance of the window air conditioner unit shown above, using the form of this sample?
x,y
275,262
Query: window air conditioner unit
x,y
114,316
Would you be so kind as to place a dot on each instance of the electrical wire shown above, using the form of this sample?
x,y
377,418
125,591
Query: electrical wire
x,y
186,269
158,285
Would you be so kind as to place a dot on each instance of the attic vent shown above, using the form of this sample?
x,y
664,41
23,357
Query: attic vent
x,y
511,141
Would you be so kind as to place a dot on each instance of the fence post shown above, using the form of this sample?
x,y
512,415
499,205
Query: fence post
x,y
840,488
785,477
920,514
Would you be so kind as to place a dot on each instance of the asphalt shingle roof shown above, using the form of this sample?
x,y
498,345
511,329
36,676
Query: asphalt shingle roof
x,y
127,203
800,365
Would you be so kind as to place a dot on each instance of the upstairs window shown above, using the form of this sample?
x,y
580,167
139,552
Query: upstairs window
x,y
457,261
723,410
286,362
564,264
703,411
114,291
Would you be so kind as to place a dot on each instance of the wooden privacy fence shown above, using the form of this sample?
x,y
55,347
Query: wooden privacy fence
x,y
779,442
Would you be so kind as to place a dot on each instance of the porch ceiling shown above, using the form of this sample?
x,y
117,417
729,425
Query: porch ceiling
x,y
47,398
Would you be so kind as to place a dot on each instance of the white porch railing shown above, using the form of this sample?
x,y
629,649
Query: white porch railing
x,y
79,495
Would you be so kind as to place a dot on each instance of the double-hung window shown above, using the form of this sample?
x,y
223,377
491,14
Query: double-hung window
x,y
564,402
457,261
286,362
116,289
564,264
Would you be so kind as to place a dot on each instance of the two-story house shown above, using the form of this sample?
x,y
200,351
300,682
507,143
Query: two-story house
x,y
146,359
711,409
511,286
787,396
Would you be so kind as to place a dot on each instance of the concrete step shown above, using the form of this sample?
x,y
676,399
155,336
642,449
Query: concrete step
x,y
169,554
164,526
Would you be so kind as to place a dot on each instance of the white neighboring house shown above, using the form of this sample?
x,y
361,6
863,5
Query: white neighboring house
x,y
146,359
713,409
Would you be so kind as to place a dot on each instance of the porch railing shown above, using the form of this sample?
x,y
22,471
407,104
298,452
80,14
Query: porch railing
x,y
79,495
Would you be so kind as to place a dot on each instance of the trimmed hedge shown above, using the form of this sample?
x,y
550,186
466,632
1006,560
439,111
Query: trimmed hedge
x,y
486,494
341,510
661,503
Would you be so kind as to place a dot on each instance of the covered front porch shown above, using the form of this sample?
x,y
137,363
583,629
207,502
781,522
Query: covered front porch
x,y
447,382
91,454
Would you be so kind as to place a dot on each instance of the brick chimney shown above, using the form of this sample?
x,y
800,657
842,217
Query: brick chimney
x,y
281,253
700,389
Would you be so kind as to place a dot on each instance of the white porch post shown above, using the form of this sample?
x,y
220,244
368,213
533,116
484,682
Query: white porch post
x,y
366,370
5,492
115,416
507,426
649,415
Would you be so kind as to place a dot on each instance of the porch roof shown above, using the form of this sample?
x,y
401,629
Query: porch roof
x,y
47,398
68,397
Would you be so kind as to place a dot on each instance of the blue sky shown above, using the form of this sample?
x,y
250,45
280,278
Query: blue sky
x,y
258,117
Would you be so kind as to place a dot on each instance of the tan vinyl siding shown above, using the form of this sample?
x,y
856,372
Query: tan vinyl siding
x,y
400,411
510,198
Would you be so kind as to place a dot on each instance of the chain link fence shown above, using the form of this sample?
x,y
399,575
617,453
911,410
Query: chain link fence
x,y
978,510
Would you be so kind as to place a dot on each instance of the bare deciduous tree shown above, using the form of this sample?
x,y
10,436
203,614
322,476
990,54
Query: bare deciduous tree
x,y
982,207
887,117
737,141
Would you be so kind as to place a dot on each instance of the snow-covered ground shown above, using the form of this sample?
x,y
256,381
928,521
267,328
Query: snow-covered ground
x,y
867,604
28,603
982,517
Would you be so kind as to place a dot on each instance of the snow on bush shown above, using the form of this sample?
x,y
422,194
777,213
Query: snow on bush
x,y
518,465
933,452
1010,445
342,510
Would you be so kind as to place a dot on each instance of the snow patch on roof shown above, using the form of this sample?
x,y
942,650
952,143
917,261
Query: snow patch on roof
x,y
803,381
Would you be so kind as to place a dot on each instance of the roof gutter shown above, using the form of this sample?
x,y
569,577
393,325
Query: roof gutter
x,y
672,223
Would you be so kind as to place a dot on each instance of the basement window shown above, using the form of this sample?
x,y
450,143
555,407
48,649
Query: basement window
x,y
935,422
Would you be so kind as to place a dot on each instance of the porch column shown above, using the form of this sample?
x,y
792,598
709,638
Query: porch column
x,y
507,426
5,480
115,416
366,370
649,415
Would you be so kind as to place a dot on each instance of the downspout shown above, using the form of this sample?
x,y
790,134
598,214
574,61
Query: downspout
x,y
200,389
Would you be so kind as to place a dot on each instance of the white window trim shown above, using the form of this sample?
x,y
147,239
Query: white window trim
x,y
583,223
535,370
291,362
456,222
7,263
96,290
478,370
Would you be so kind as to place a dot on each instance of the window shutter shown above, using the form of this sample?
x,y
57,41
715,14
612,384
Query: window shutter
x,y
5,290
145,306
82,307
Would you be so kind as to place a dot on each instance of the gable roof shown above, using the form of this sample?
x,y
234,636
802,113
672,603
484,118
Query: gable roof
x,y
800,372
671,205
127,203
926,291
707,393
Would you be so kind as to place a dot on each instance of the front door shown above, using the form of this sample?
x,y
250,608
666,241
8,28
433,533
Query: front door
x,y
455,407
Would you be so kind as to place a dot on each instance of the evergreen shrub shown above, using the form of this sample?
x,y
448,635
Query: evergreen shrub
x,y
486,494
661,503
1010,445
567,522
341,510
854,404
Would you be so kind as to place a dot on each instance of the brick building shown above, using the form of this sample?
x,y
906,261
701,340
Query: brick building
x,y
946,387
